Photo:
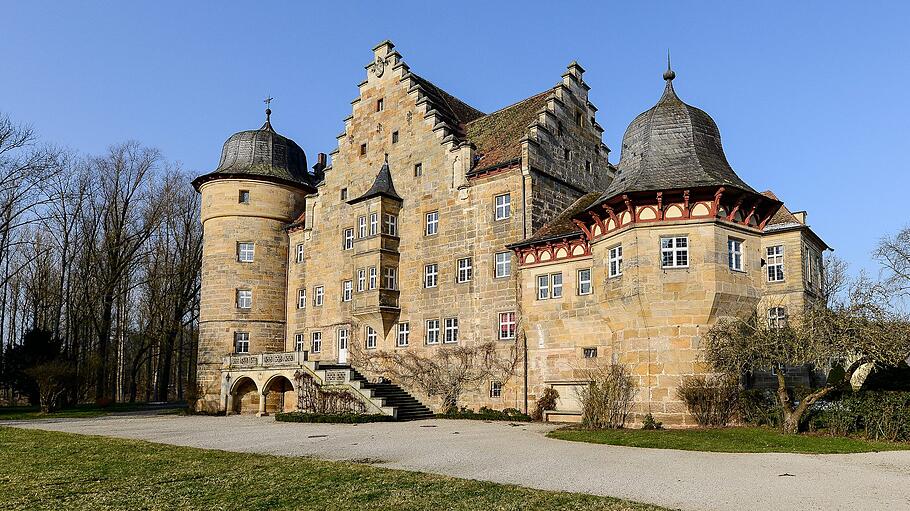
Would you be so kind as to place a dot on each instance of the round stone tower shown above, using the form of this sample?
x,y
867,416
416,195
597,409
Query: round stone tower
x,y
257,190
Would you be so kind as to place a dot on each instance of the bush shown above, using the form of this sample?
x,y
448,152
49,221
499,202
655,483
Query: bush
x,y
876,415
650,423
336,418
486,414
759,407
547,401
607,398
712,400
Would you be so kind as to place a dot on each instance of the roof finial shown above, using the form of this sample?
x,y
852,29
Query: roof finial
x,y
669,74
268,111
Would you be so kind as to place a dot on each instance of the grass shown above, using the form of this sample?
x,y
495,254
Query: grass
x,y
727,440
49,470
77,411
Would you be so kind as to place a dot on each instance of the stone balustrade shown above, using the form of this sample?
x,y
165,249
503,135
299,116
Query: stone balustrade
x,y
266,360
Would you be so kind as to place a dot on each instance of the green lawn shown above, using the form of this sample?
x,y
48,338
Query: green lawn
x,y
47,470
726,440
78,411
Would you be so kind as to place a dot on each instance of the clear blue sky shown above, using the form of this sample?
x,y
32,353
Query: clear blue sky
x,y
811,97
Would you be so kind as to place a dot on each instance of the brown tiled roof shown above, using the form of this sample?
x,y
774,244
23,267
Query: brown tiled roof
x,y
496,136
455,110
783,215
562,225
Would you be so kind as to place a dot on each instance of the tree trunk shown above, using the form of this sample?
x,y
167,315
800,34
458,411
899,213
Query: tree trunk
x,y
104,333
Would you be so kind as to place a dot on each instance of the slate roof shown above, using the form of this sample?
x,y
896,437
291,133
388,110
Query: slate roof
x,y
382,186
497,136
672,146
562,226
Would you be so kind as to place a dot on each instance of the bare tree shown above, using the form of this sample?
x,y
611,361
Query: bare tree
x,y
834,278
893,252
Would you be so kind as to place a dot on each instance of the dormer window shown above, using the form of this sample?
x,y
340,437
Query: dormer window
x,y
244,197
380,104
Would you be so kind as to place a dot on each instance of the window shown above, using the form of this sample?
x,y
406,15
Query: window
x,y
316,342
543,287
344,194
244,298
777,317
380,104
430,275
584,281
812,263
361,279
318,296
362,227
503,264
372,277
391,278
775,263
566,153
556,285
404,334
587,166
394,137
589,352
363,149
495,389
432,331
451,330
579,119
301,298
779,368
418,169
391,225
343,336
371,338
348,238
299,344
347,290
374,223
432,223
245,252
674,252
465,270
503,206
242,342
244,197
615,261
506,325
299,258
735,251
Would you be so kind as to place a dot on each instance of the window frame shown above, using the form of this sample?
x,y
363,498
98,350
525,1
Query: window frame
x,y
675,251
361,279
432,340
402,334
390,278
300,253
464,274
390,225
299,343
586,350
553,286
301,298
348,238
347,290
543,286
777,317
581,282
373,280
734,251
510,324
371,335
244,295
430,275
418,169
775,263
431,219
451,325
362,226
507,263
241,245
506,207
318,296
243,197
495,389
374,224
316,341
614,261
241,339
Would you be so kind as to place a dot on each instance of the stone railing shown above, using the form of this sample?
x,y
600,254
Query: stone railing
x,y
266,360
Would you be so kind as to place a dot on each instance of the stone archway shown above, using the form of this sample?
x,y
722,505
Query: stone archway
x,y
280,394
244,396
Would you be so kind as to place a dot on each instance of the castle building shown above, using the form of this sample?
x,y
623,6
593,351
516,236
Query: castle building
x,y
436,226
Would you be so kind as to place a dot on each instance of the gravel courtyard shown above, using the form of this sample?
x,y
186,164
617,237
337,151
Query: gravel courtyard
x,y
521,454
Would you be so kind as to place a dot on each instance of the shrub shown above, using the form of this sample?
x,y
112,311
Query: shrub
x,y
487,414
650,423
547,401
337,418
876,415
607,398
712,400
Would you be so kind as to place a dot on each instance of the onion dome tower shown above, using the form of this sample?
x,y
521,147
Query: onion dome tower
x,y
258,188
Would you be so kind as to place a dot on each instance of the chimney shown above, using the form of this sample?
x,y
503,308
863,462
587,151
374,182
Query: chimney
x,y
319,168
800,217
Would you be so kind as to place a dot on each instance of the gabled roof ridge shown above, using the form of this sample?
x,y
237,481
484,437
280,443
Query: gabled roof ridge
x,y
448,99
515,104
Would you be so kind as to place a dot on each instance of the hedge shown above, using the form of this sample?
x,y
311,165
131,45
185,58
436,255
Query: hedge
x,y
487,414
337,418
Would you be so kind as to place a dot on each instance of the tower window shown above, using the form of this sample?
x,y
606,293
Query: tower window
x,y
245,252
244,298
432,226
615,261
418,169
735,249
503,207
242,342
566,153
299,258
344,194
579,118
244,197
674,252
380,104
584,281
775,263
394,137
347,289
363,149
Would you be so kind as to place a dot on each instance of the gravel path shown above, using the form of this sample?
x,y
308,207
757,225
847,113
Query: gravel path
x,y
521,454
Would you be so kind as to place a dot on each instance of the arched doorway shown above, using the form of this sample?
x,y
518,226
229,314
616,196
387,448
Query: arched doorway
x,y
244,396
280,394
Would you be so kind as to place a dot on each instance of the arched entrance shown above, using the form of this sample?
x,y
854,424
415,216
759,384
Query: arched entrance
x,y
244,396
280,394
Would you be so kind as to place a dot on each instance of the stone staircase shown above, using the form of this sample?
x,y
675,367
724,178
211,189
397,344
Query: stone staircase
x,y
386,394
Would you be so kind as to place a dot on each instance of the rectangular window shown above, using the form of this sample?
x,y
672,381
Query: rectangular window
x,y
813,266
566,153
301,298
391,225
775,263
390,276
495,389
299,257
244,298
245,252
432,331
404,334
343,337
587,166
372,277
430,275
503,264
394,137
465,270
556,285
584,281
543,287
347,290
380,103
451,330
363,149
777,317
244,197
735,252
316,342
348,243
374,224
506,325
344,194
361,279
242,342
362,227
674,252
503,206
589,352
371,338
299,344
318,296
432,223
615,261
418,169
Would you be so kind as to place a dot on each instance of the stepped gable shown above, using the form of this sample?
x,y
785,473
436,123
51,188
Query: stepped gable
x,y
497,136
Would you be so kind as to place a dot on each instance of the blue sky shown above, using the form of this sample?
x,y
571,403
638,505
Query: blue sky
x,y
810,97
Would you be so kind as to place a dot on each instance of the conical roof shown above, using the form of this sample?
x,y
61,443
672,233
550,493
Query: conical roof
x,y
382,186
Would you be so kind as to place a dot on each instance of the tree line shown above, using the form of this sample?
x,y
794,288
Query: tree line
x,y
100,261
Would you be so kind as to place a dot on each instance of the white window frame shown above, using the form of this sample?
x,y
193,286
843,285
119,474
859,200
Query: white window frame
x,y
390,278
316,342
373,282
374,224
299,343
403,334
241,342
430,275
361,279
301,298
543,286
299,258
507,325
465,270
775,263
502,206
245,299
677,247
418,169
432,332
735,256
318,296
344,335
246,251
495,389
506,263
372,338
615,262
362,227
777,317
347,290
556,287
391,224
451,331
585,281
432,224
348,243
